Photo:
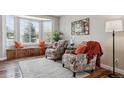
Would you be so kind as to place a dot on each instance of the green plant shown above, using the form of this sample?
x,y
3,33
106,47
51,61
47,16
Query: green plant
x,y
56,36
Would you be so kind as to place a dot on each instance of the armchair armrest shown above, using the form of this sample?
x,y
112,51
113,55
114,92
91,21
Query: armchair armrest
x,y
48,44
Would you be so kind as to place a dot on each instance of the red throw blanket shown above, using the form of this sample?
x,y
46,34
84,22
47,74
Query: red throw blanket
x,y
94,49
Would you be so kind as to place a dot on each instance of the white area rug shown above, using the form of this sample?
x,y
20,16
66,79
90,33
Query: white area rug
x,y
44,68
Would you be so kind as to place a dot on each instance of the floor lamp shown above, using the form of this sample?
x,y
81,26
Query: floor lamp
x,y
114,26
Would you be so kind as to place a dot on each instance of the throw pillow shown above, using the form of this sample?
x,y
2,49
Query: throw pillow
x,y
18,45
81,49
55,45
41,44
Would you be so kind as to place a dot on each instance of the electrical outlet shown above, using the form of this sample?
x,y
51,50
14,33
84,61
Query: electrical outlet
x,y
116,61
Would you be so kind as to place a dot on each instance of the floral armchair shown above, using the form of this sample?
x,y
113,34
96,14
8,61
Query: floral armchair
x,y
77,63
56,50
85,60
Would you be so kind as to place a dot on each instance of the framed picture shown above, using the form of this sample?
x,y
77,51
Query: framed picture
x,y
80,27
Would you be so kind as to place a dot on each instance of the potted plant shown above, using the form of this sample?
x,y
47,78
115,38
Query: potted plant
x,y
56,36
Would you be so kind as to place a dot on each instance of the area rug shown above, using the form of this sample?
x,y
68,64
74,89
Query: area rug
x,y
44,68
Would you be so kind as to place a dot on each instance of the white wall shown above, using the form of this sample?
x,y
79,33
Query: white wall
x,y
97,32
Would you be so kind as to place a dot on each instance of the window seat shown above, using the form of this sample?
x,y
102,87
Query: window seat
x,y
14,53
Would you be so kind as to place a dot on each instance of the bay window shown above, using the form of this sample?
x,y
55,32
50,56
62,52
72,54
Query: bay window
x,y
27,30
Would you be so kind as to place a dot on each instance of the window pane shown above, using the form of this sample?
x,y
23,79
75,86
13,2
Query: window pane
x,y
34,31
47,30
29,31
10,30
24,31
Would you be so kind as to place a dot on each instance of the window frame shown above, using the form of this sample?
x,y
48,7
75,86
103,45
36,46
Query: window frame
x,y
14,31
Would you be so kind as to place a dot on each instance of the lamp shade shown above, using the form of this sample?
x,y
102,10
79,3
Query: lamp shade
x,y
115,25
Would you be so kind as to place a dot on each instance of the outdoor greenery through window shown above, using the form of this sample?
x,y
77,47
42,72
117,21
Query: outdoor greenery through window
x,y
10,30
29,31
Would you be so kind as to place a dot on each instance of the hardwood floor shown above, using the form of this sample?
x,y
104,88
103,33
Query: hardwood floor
x,y
11,69
102,73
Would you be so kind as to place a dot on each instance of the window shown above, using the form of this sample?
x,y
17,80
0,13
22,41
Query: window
x,y
29,31
47,30
10,30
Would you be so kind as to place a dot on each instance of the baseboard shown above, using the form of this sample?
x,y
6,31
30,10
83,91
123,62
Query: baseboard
x,y
2,59
110,68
